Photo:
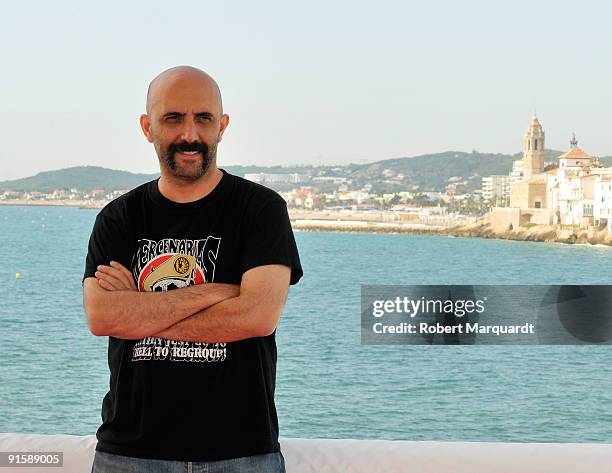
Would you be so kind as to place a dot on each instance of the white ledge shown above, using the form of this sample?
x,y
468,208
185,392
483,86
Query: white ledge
x,y
368,456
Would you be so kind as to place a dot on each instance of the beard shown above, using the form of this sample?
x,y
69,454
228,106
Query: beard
x,y
190,171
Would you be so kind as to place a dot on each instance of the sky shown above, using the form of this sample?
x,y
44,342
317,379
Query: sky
x,y
318,82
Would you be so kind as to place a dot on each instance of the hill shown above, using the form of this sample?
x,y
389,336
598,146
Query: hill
x,y
434,171
84,178
427,172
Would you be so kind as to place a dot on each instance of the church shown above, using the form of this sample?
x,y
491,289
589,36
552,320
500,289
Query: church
x,y
576,191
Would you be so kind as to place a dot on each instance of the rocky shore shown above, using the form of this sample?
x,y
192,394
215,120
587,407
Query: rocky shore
x,y
542,233
539,233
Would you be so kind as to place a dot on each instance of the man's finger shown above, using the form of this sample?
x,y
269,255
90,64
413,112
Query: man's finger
x,y
125,278
105,285
118,265
127,272
116,284
115,274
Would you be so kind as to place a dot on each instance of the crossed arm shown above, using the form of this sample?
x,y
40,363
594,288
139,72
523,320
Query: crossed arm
x,y
209,312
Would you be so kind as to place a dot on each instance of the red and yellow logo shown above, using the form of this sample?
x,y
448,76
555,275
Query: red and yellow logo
x,y
170,271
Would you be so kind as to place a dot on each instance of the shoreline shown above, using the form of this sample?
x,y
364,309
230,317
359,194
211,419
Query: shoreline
x,y
349,223
548,234
384,222
87,204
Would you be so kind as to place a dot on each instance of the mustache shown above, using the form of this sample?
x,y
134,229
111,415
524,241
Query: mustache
x,y
187,147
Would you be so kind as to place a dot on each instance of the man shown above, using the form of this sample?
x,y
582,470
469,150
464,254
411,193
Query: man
x,y
187,275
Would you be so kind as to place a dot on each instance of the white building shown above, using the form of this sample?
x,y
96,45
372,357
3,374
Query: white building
x,y
496,189
517,171
274,178
579,191
330,179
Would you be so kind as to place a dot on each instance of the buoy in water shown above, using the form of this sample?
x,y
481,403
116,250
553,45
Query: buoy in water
x,y
17,275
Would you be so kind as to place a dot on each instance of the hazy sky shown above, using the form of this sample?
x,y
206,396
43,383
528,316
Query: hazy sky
x,y
305,82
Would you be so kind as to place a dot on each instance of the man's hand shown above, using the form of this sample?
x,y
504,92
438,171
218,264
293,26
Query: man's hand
x,y
115,277
255,312
114,307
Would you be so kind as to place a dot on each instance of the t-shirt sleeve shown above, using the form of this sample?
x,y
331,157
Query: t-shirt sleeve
x,y
107,243
268,239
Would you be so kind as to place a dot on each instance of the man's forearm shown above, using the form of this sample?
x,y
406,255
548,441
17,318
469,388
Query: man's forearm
x,y
132,315
230,320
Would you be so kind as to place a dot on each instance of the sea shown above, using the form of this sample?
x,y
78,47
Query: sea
x,y
54,372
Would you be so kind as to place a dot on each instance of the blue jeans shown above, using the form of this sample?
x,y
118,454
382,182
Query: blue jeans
x,y
110,463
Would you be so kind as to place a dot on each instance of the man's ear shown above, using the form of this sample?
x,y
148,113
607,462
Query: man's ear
x,y
145,124
224,122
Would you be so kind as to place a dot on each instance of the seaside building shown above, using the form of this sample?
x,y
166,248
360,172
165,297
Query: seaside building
x,y
496,189
10,195
602,210
530,191
577,192
517,171
304,197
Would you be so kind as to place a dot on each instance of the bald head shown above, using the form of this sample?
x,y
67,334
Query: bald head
x,y
185,122
181,78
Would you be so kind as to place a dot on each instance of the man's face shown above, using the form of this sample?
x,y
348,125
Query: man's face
x,y
180,156
185,125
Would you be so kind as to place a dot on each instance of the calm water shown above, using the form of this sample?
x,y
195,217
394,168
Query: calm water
x,y
53,372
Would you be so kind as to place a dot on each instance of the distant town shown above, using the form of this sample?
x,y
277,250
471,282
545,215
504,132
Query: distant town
x,y
331,190
538,187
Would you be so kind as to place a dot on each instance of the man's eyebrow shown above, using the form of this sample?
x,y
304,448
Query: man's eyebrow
x,y
179,114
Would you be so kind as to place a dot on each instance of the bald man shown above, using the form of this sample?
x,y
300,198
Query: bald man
x,y
187,276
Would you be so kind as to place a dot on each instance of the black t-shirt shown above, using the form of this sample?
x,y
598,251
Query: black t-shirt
x,y
191,401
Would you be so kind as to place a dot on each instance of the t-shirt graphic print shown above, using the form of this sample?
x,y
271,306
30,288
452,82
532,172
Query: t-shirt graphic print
x,y
168,264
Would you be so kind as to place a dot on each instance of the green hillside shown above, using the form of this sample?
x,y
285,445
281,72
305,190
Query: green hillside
x,y
86,178
428,172
83,178
433,171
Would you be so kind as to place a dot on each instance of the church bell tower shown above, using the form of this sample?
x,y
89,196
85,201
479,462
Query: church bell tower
x,y
533,150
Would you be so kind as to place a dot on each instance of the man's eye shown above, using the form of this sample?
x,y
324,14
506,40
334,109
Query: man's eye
x,y
173,118
204,118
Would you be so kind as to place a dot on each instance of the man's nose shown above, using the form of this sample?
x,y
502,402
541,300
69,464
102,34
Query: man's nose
x,y
189,131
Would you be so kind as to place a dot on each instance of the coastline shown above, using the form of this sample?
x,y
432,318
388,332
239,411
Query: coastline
x,y
548,234
477,229
385,222
89,204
